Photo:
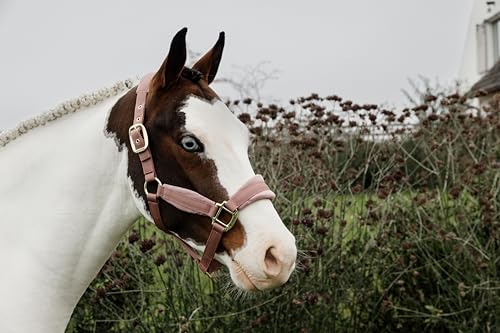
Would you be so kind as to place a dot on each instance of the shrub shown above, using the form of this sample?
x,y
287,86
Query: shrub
x,y
396,214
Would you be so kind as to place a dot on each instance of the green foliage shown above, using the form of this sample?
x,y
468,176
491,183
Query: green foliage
x,y
398,231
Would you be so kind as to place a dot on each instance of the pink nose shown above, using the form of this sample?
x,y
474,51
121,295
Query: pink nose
x,y
279,263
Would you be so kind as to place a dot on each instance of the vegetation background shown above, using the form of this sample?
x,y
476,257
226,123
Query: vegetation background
x,y
396,215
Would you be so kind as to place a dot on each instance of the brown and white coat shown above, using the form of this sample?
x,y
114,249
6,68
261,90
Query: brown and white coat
x,y
69,192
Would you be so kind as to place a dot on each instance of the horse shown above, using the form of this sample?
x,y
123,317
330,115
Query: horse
x,y
76,178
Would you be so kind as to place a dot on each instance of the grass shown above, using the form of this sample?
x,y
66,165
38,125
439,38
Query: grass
x,y
398,235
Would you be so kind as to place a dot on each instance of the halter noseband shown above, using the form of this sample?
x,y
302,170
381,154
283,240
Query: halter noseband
x,y
184,199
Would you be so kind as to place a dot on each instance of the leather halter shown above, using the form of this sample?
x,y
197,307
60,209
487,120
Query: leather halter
x,y
184,199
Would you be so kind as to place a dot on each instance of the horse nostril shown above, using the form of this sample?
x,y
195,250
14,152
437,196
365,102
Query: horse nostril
x,y
272,265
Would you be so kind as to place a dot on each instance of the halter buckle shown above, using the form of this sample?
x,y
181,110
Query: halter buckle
x,y
222,208
144,134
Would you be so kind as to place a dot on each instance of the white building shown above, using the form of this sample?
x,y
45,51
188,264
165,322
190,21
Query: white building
x,y
482,45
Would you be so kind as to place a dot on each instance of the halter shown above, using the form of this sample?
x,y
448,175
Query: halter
x,y
184,199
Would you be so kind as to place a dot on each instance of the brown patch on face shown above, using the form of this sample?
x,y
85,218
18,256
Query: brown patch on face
x,y
174,165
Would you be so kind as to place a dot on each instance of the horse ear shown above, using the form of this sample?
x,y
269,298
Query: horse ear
x,y
173,65
209,63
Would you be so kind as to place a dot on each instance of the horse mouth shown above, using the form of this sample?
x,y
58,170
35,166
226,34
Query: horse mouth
x,y
244,278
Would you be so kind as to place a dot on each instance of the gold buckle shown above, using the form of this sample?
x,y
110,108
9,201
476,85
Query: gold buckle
x,y
234,216
144,136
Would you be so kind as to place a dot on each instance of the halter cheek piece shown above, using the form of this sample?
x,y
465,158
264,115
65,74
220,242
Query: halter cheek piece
x,y
184,199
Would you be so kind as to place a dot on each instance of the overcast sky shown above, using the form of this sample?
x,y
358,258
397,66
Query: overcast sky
x,y
362,50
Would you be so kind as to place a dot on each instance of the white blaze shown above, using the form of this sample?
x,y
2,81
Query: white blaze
x,y
226,143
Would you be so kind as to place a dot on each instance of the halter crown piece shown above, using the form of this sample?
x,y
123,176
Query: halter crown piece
x,y
184,199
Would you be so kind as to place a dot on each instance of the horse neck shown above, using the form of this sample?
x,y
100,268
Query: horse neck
x,y
65,202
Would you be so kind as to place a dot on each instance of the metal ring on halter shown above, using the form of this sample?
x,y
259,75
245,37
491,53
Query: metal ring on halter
x,y
146,185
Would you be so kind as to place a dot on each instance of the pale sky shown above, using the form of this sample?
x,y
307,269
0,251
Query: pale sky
x,y
363,50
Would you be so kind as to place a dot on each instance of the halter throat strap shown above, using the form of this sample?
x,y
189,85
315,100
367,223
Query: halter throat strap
x,y
223,215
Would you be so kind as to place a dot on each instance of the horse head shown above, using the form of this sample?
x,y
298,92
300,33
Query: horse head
x,y
198,144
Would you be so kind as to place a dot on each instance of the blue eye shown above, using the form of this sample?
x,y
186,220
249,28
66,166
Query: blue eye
x,y
191,144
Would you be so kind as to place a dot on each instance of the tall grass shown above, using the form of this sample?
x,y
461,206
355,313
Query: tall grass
x,y
398,226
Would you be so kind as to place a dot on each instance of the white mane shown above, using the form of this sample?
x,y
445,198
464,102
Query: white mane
x,y
64,108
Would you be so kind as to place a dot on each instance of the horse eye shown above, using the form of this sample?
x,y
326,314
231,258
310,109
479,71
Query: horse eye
x,y
190,144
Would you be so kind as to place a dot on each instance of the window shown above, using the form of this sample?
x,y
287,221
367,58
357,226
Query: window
x,y
482,61
496,40
488,43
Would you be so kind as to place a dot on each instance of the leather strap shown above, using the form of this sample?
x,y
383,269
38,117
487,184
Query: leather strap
x,y
192,202
211,247
189,201
184,199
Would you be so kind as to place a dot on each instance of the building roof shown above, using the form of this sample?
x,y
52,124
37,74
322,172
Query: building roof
x,y
490,82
